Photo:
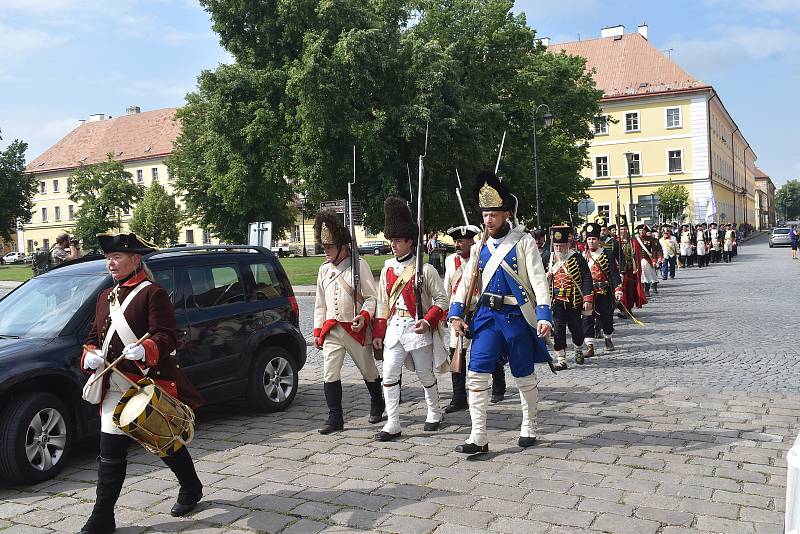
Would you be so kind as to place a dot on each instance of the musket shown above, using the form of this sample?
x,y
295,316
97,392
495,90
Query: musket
x,y
500,153
461,202
355,275
457,362
410,189
419,282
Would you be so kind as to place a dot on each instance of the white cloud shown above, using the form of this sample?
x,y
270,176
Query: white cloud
x,y
39,135
537,9
758,6
39,6
16,42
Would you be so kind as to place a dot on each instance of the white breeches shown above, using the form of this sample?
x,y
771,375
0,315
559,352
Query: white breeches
x,y
337,343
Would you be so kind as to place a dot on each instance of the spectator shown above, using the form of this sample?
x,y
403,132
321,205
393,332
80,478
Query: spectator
x,y
793,236
65,249
669,246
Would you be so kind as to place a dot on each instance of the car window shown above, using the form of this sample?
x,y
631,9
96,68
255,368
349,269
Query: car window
x,y
214,285
166,279
780,231
267,283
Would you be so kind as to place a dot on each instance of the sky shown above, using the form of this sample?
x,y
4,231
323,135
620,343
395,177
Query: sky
x,y
62,60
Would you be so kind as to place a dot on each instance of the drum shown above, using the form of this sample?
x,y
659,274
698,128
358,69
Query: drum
x,y
159,422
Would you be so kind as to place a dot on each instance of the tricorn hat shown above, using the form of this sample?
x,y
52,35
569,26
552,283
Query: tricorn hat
x,y
397,220
467,231
592,230
642,226
329,230
493,195
561,234
130,243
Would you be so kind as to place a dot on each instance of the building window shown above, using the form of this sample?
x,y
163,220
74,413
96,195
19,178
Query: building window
x,y
169,175
139,176
42,187
190,236
44,214
601,167
675,160
71,212
57,212
632,121
635,165
154,174
601,125
206,238
55,186
604,211
673,117
46,244
69,185
30,246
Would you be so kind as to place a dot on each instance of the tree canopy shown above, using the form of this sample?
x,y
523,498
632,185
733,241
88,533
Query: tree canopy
x,y
157,217
787,200
672,201
311,79
102,190
17,188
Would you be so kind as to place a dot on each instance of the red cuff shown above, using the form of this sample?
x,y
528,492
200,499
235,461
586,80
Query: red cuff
x,y
588,298
434,315
365,314
150,352
317,332
378,328
83,355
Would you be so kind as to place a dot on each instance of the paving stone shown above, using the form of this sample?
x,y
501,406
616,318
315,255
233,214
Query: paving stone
x,y
625,525
410,525
559,516
264,521
305,526
506,524
669,517
717,524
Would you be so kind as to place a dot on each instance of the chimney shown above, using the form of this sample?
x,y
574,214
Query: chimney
x,y
613,31
95,117
642,29
544,41
81,122
133,110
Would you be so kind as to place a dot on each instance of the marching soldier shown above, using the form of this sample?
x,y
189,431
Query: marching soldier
x,y
686,245
651,252
336,331
702,238
133,307
512,317
419,344
632,288
609,242
716,242
729,243
571,292
607,289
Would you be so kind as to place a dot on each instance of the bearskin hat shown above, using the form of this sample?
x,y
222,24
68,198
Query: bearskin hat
x,y
397,220
601,222
329,230
561,234
592,230
493,195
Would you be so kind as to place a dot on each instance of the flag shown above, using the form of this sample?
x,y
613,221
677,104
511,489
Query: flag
x,y
711,210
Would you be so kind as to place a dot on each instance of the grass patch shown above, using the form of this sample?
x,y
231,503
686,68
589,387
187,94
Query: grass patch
x,y
15,273
303,271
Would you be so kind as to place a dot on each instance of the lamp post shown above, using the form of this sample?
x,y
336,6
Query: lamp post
x,y
616,182
303,222
548,122
629,159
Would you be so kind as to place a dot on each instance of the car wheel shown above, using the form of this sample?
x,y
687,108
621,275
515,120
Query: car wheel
x,y
377,252
274,380
770,245
35,438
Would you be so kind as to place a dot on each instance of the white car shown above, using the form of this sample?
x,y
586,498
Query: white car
x,y
14,257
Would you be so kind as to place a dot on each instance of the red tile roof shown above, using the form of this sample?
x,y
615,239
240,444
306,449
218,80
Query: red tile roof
x,y
130,137
760,174
629,66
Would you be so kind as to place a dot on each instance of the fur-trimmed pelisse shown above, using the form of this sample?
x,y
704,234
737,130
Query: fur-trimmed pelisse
x,y
397,220
329,230
493,195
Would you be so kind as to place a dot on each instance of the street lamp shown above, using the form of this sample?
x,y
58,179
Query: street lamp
x,y
616,183
303,221
629,159
548,122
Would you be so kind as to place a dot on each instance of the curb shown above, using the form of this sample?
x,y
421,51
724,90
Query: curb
x,y
7,284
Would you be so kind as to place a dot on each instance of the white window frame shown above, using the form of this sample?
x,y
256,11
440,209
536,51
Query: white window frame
x,y
682,162
57,213
154,174
139,176
639,154
55,186
42,187
604,207
187,235
44,215
680,118
638,121
594,125
71,212
608,166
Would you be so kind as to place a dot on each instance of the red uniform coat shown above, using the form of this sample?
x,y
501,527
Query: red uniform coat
x,y
633,293
150,311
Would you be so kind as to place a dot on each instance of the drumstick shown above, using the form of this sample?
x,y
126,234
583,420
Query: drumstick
x,y
113,365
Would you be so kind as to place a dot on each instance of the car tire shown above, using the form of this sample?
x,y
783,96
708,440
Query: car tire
x,y
274,380
23,423
770,245
377,252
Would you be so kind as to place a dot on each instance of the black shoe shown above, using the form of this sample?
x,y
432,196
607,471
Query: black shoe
x,y
471,448
376,402
385,436
179,509
560,366
526,442
497,397
191,489
431,427
333,426
457,407
97,525
579,358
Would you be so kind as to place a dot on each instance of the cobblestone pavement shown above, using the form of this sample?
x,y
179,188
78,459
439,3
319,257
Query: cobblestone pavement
x,y
684,429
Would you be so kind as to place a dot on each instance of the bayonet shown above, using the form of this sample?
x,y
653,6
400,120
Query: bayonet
x,y
355,275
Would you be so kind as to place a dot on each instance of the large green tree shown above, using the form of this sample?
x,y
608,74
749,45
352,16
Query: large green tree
x,y
672,201
102,190
787,200
157,217
312,79
17,188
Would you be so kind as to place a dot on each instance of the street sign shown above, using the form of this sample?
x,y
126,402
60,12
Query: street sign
x,y
585,207
340,206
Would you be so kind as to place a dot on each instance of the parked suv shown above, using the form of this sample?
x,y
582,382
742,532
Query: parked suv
x,y
238,338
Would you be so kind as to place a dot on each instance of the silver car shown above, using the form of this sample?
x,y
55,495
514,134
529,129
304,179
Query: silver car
x,y
779,237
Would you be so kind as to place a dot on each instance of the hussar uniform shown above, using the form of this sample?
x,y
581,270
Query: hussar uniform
x,y
335,305
729,243
633,291
607,288
570,288
515,299
424,353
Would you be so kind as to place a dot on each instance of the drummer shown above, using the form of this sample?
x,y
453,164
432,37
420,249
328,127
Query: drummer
x,y
145,308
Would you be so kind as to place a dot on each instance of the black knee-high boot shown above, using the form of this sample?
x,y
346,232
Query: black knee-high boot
x,y
498,383
376,402
647,289
333,397
110,476
191,490
459,400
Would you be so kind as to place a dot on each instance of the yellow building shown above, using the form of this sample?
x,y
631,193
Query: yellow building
x,y
675,127
140,141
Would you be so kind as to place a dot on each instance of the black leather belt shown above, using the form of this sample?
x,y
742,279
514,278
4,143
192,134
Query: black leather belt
x,y
496,302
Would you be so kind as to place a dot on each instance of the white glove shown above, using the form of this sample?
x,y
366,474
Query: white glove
x,y
133,352
93,360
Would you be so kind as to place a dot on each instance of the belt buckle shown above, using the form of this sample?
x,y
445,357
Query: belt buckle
x,y
492,302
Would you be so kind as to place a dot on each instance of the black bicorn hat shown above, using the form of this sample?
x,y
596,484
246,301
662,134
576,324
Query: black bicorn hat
x,y
493,195
592,230
329,230
467,231
561,234
397,220
642,226
130,243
